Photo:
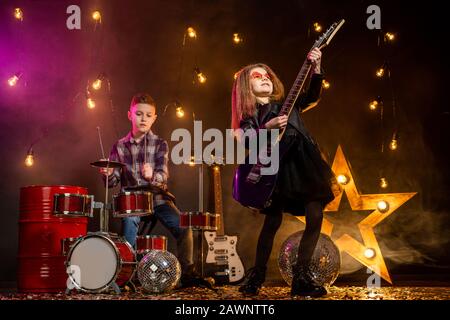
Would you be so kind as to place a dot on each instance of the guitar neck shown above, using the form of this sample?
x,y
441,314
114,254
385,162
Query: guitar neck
x,y
218,206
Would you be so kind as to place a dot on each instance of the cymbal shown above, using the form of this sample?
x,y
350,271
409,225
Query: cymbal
x,y
104,163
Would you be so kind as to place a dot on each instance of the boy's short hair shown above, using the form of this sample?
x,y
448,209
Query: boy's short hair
x,y
142,98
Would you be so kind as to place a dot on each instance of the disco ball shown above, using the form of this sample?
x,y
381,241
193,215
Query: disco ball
x,y
159,271
325,262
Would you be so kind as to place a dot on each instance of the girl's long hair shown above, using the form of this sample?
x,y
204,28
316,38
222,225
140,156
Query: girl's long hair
x,y
243,101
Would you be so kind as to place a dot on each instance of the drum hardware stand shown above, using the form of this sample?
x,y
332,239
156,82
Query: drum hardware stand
x,y
104,212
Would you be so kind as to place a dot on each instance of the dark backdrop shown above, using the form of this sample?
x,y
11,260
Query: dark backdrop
x,y
139,46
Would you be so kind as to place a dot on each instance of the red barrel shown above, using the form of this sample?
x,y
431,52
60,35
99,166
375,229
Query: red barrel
x,y
41,266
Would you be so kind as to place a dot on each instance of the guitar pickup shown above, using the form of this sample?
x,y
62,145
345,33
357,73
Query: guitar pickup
x,y
221,258
221,251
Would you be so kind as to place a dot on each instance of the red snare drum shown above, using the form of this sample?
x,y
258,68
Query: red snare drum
x,y
146,243
132,204
73,205
198,220
97,260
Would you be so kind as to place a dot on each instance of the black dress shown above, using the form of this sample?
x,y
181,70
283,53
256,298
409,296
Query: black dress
x,y
303,176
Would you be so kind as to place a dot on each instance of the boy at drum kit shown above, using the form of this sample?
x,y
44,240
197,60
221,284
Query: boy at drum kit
x,y
144,156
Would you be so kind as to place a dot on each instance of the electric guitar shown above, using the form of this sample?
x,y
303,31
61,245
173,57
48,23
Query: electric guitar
x,y
250,187
225,265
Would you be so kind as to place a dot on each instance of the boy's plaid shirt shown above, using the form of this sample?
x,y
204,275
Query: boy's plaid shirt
x,y
131,153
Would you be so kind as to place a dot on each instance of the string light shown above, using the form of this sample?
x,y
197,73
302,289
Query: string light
x,y
380,72
97,84
342,179
200,76
389,36
383,206
29,160
179,112
18,14
192,162
375,103
191,33
325,84
97,16
383,183
369,253
237,38
90,103
393,145
317,27
12,81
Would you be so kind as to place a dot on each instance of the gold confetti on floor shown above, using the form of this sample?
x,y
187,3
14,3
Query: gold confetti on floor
x,y
266,293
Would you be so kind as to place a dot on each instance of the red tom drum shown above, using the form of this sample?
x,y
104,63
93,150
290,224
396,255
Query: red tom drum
x,y
150,242
199,220
73,205
132,204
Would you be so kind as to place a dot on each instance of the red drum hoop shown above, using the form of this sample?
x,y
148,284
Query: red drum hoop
x,y
144,244
198,220
73,205
132,204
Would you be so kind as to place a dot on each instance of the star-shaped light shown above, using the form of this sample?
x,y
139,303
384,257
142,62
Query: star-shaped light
x,y
383,205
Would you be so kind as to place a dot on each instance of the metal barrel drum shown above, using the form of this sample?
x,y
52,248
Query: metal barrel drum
x,y
41,263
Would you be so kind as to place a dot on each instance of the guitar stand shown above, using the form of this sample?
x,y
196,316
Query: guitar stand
x,y
201,281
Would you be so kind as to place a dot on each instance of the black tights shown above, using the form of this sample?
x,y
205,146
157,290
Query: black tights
x,y
272,223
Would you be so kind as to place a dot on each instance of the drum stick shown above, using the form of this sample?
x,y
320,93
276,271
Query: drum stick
x,y
101,143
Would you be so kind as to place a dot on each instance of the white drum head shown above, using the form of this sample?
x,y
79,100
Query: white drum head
x,y
97,260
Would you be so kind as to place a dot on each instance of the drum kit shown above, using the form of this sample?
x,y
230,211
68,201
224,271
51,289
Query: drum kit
x,y
103,260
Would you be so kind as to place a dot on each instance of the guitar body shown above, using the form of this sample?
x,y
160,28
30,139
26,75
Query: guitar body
x,y
252,195
222,253
222,261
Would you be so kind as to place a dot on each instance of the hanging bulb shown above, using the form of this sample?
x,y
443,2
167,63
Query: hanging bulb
x,y
18,14
179,112
383,183
375,103
90,103
97,84
192,162
380,72
14,79
389,36
325,84
237,38
393,145
97,16
191,33
200,76
29,160
317,27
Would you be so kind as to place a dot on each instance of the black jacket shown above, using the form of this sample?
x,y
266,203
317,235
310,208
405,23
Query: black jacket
x,y
305,101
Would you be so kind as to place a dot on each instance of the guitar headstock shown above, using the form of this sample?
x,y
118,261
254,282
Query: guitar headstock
x,y
328,35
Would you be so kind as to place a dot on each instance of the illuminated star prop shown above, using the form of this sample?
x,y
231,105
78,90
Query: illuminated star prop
x,y
367,253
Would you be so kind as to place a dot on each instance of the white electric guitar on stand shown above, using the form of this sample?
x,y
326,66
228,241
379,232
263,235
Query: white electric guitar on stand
x,y
225,266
